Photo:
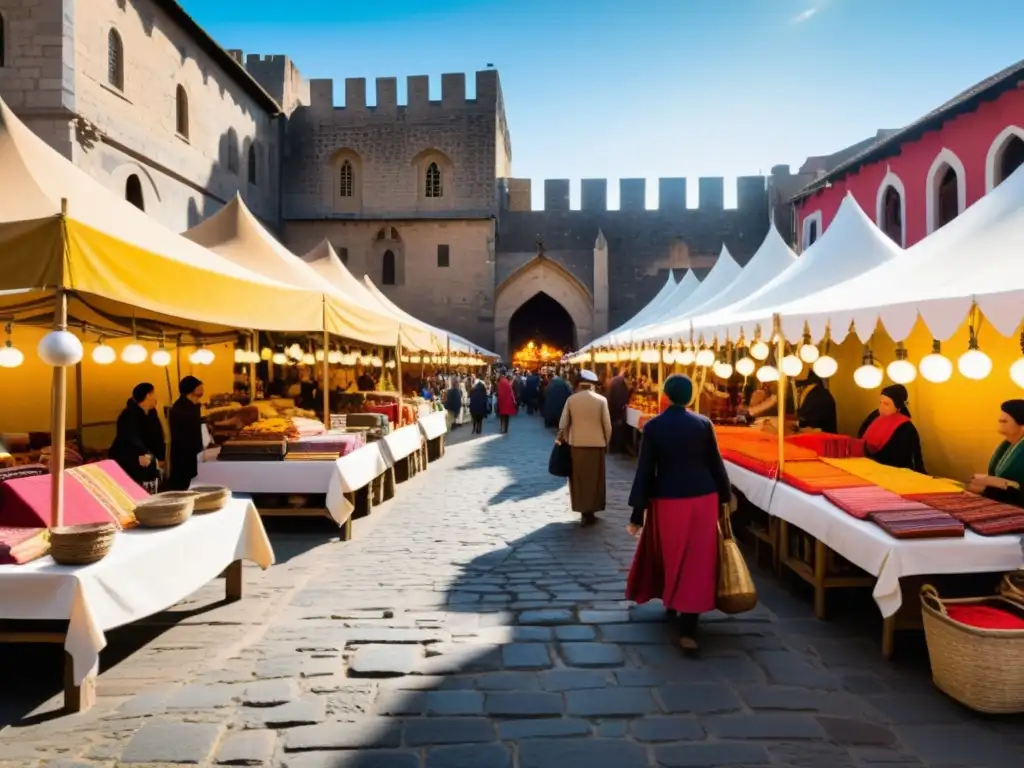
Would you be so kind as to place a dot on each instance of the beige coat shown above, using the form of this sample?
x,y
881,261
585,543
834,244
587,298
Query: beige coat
x,y
585,421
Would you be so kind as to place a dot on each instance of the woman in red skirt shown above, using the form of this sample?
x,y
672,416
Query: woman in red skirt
x,y
679,487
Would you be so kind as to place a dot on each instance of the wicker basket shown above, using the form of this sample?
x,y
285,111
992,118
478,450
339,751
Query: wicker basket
x,y
81,544
210,498
1012,586
165,509
981,668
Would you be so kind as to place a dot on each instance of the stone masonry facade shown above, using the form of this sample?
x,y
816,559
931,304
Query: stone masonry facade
x,y
428,182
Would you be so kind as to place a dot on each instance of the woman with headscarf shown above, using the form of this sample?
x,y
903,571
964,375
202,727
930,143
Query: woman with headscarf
x,y
479,406
186,423
508,406
679,488
889,435
139,447
453,403
816,408
1005,478
586,425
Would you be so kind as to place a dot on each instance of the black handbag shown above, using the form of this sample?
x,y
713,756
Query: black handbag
x,y
560,463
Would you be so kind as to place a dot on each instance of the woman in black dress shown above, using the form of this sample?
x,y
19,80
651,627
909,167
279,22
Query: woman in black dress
x,y
889,435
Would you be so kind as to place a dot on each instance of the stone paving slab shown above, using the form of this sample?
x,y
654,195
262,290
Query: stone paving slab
x,y
475,624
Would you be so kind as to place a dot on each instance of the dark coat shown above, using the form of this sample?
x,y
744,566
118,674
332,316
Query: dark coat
x,y
818,411
453,400
679,459
618,398
903,449
186,422
139,433
479,401
557,392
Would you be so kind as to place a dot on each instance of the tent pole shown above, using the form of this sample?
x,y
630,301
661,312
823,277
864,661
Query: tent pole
x,y
58,417
326,385
254,343
781,396
398,368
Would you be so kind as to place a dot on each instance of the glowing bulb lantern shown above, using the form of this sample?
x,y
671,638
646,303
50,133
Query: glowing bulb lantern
x,y
103,355
309,359
759,350
901,370
134,354
11,356
869,375
936,367
266,353
808,352
974,364
792,366
161,358
60,349
201,356
745,366
1017,372
705,358
649,356
334,357
279,358
722,369
825,366
767,374
686,357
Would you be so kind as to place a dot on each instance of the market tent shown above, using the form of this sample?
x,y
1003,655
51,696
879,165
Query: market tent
x,y
324,260
114,261
851,245
235,234
770,260
458,343
650,309
721,276
974,258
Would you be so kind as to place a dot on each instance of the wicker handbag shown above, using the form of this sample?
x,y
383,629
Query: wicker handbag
x,y
736,592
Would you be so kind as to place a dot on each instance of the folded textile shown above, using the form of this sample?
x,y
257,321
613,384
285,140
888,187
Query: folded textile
x,y
828,445
918,524
815,477
311,457
861,502
25,470
985,617
22,545
758,467
1002,526
902,481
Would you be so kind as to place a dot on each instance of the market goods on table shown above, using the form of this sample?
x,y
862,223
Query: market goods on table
x,y
902,481
165,510
210,498
816,477
23,545
276,428
827,445
862,502
81,544
918,524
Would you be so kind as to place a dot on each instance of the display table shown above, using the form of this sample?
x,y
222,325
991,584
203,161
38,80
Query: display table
x,y
434,427
868,547
146,571
633,417
403,449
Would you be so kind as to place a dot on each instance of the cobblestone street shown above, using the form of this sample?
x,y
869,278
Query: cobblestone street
x,y
473,623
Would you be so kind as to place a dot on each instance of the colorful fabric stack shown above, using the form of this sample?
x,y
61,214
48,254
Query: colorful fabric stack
x,y
387,409
23,545
816,477
827,445
983,516
338,445
308,427
904,482
924,523
862,502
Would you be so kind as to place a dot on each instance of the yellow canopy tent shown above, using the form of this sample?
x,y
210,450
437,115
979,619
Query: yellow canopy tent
x,y
323,259
61,232
234,234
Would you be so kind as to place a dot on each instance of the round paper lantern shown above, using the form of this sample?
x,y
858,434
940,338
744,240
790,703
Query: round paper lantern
x,y
161,358
745,366
705,358
901,371
60,349
134,354
825,366
868,376
309,359
103,355
201,356
686,357
808,353
722,370
759,350
266,353
1017,372
974,364
767,374
792,366
936,368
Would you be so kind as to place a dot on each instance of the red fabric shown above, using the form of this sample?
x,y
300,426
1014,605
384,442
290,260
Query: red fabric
x,y
506,398
880,432
677,557
985,617
829,446
386,409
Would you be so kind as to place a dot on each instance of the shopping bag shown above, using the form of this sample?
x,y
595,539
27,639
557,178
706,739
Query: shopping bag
x,y
560,463
735,592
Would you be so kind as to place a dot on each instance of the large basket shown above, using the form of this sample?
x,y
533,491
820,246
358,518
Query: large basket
x,y
165,509
81,544
1012,586
210,498
983,669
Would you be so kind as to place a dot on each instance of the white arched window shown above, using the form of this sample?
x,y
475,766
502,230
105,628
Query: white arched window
x,y
945,190
1005,155
812,228
891,209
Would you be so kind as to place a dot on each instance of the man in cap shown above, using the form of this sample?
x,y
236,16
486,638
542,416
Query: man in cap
x,y
186,423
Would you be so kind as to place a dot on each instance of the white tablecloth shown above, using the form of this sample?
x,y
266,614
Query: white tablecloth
x,y
147,571
434,425
632,417
869,547
361,467
402,443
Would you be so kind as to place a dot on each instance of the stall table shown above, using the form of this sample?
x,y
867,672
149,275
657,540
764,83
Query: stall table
x,y
146,571
434,428
403,449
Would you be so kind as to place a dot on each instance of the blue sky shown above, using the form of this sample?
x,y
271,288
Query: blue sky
x,y
648,88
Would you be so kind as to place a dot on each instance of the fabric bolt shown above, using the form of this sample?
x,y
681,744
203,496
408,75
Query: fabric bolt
x,y
902,481
1008,525
861,502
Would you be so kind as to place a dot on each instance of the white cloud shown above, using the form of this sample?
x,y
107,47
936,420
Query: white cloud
x,y
808,14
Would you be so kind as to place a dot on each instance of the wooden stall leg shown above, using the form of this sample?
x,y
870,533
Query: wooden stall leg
x,y
77,698
346,530
889,636
820,572
773,534
388,484
440,446
234,584
363,501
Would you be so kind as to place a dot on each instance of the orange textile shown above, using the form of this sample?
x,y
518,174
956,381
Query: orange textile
x,y
816,477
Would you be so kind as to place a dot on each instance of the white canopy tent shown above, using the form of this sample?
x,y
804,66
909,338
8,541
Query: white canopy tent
x,y
977,257
851,245
640,317
721,276
770,260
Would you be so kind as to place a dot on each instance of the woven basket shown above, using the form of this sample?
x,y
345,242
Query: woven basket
x,y
81,544
165,509
210,498
980,668
1012,586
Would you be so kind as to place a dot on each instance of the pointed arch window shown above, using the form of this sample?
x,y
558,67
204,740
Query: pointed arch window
x,y
1010,158
253,169
115,60
133,192
346,185
232,149
892,215
433,181
388,268
181,112
3,40
812,233
948,198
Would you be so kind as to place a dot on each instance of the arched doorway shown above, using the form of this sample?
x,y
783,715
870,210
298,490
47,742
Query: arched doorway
x,y
133,192
1010,158
543,323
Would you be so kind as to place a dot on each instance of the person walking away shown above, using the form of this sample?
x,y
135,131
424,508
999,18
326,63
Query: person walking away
x,y
186,423
679,487
555,396
479,405
453,404
586,426
531,392
507,404
618,402
139,447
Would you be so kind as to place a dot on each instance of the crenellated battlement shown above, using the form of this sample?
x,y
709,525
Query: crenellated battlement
x,y
751,194
453,93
